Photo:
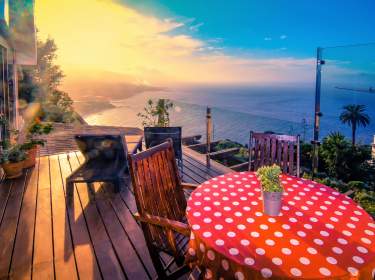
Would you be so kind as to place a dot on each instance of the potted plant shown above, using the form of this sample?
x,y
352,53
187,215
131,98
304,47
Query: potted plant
x,y
12,161
30,146
272,190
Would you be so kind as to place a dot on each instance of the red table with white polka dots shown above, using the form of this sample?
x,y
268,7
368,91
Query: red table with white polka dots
x,y
319,233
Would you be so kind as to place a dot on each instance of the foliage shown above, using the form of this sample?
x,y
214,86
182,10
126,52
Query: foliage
x,y
13,154
366,199
342,160
35,130
40,84
156,113
269,178
354,115
226,144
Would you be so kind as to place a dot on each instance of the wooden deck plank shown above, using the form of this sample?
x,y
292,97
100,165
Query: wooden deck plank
x,y
43,245
107,259
9,224
87,265
65,264
21,263
4,196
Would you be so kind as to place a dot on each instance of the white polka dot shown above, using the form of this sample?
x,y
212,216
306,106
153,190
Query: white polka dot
x,y
293,220
331,260
324,233
312,251
191,252
304,208
225,264
286,208
369,232
270,242
347,233
318,213
301,233
362,249
366,240
278,234
195,227
219,242
285,226
357,213
250,220
296,272
307,226
291,202
246,208
260,251
304,260
231,234
313,219
233,251
277,261
323,207
358,259
239,275
324,271
371,225
338,213
258,214
286,251
264,227
254,234
241,227
294,242
353,271
334,219
229,220
207,234
272,220
342,241
355,219
249,261
218,227
266,272
227,208
318,241
217,203
196,214
337,250
207,208
210,255
207,220
197,203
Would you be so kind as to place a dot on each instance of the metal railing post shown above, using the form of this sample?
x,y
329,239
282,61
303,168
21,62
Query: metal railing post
x,y
318,114
208,136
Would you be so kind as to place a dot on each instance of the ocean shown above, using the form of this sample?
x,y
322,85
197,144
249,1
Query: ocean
x,y
238,110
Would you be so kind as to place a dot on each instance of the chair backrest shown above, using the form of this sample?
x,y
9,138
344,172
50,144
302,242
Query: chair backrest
x,y
157,189
102,147
268,149
157,135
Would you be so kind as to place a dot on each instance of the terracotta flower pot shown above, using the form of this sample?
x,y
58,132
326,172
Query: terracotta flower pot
x,y
30,157
13,169
272,203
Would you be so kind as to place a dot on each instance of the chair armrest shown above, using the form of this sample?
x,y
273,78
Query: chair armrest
x,y
189,186
164,222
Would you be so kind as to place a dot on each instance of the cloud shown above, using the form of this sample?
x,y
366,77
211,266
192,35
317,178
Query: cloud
x,y
103,35
196,27
267,38
283,37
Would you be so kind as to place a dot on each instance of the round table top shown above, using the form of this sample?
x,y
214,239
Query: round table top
x,y
319,232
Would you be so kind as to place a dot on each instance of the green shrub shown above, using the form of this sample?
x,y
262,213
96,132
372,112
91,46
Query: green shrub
x,y
269,178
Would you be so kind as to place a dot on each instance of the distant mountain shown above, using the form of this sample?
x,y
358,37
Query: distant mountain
x,y
91,85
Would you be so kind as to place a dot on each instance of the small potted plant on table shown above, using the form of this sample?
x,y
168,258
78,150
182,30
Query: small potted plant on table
x,y
272,190
12,161
30,146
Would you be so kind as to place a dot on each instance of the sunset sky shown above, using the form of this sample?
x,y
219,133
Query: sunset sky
x,y
171,42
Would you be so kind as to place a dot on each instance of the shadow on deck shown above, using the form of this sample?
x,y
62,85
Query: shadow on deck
x,y
97,238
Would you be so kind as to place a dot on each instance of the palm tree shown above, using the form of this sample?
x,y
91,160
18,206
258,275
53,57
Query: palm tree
x,y
354,115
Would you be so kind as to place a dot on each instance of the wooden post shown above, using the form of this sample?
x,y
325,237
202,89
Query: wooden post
x,y
208,136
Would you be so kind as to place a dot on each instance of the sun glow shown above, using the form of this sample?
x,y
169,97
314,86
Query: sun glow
x,y
104,35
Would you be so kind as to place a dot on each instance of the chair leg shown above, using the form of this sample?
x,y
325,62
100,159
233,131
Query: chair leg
x,y
69,192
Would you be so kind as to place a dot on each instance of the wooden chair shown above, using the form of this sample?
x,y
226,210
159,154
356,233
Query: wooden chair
x,y
161,204
157,135
268,149
105,161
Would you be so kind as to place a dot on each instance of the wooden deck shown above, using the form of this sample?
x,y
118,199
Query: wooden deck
x,y
42,238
